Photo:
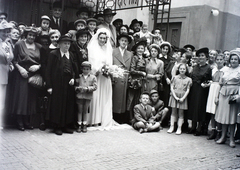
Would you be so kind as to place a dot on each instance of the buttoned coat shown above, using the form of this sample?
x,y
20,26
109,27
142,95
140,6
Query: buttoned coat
x,y
121,84
142,115
113,38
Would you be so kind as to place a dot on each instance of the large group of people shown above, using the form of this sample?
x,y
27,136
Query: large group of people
x,y
102,73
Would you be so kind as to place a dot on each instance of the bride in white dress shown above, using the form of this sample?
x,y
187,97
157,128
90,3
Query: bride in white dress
x,y
100,54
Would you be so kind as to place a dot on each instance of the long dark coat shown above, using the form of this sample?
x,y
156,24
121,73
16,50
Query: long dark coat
x,y
120,85
62,99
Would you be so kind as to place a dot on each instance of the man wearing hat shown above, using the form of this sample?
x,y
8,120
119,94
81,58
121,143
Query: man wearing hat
x,y
56,21
108,17
100,18
117,23
82,13
122,58
3,16
136,25
60,75
189,47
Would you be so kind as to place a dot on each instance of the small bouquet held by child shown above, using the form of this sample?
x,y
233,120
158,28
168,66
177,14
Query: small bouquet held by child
x,y
114,71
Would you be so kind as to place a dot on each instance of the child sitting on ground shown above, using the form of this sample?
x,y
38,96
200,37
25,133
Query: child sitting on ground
x,y
143,120
160,111
44,29
87,83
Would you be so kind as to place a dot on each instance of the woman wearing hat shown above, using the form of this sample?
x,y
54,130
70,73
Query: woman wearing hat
x,y
201,75
60,77
227,108
100,56
154,68
6,56
79,48
137,75
27,59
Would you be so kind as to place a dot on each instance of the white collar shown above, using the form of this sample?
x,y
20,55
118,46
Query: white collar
x,y
66,54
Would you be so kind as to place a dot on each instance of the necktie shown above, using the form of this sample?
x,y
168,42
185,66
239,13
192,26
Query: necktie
x,y
111,28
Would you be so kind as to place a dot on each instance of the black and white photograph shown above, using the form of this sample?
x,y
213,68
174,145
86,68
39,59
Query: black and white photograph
x,y
119,84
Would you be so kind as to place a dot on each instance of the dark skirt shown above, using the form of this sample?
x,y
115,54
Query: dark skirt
x,y
62,103
197,102
24,96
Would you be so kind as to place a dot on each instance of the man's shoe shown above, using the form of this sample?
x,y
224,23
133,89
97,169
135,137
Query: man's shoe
x,y
42,127
20,127
29,127
58,131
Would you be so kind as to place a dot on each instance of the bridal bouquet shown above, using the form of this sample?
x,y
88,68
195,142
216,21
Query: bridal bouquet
x,y
113,70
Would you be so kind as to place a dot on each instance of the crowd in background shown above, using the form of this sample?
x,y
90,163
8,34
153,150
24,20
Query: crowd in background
x,y
62,71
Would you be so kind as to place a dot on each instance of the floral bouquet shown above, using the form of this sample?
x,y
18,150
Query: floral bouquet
x,y
113,70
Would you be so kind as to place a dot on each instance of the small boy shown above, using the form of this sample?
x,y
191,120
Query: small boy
x,y
79,25
143,120
160,111
145,33
44,29
92,25
87,83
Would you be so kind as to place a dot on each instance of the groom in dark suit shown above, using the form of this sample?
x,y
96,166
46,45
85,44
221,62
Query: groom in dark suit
x,y
56,21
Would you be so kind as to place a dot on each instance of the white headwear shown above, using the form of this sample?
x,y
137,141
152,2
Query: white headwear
x,y
98,55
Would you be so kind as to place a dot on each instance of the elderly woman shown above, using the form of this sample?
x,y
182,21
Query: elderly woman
x,y
27,55
60,77
14,36
54,35
154,68
227,109
6,56
201,75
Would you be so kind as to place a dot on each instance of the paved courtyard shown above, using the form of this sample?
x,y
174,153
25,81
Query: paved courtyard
x,y
116,149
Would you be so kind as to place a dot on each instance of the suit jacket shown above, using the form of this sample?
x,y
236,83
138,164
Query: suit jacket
x,y
121,84
113,38
4,64
142,115
63,25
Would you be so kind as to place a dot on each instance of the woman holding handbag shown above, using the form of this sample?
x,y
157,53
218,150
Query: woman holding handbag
x,y
27,55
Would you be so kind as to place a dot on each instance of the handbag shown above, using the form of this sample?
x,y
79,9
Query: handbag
x,y
36,81
232,100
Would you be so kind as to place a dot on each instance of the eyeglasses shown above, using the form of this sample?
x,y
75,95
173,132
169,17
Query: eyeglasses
x,y
54,37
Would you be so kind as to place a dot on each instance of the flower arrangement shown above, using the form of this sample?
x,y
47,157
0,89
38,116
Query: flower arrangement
x,y
113,70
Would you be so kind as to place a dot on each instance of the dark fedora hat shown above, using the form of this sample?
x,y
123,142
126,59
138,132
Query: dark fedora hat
x,y
56,4
204,50
134,21
64,38
189,46
81,32
117,20
83,9
108,11
126,36
141,41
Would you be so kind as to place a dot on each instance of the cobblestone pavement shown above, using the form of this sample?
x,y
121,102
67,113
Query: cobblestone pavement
x,y
113,150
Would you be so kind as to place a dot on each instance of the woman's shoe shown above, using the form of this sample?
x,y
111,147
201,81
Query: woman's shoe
x,y
232,144
79,129
221,141
213,135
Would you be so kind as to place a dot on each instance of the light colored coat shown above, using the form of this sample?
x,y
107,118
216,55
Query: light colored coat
x,y
5,61
113,38
120,85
